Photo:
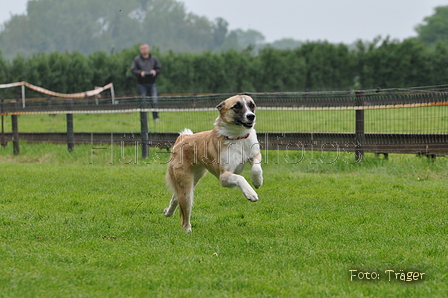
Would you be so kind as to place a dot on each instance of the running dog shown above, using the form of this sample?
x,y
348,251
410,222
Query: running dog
x,y
222,151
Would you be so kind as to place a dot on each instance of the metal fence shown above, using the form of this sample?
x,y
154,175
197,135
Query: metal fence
x,y
413,120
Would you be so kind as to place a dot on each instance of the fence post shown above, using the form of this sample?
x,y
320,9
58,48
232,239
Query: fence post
x,y
144,126
15,129
15,134
70,129
112,93
360,135
3,143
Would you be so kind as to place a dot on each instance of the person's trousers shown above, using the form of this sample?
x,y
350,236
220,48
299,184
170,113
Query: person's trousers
x,y
145,90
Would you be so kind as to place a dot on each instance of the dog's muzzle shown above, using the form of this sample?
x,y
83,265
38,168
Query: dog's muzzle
x,y
250,120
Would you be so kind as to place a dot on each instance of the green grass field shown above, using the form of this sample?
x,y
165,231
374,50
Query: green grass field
x,y
73,225
411,120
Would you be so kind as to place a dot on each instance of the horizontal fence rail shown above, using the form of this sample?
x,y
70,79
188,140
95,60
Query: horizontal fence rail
x,y
412,120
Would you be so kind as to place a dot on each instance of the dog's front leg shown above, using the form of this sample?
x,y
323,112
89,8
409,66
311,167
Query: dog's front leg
x,y
230,180
257,172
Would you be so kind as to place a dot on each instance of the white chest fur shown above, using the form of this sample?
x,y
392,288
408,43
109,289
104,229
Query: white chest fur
x,y
237,152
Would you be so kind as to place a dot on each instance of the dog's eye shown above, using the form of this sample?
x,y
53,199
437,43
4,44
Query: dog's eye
x,y
251,105
237,106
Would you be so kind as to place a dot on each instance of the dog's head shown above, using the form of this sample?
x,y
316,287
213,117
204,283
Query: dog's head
x,y
238,110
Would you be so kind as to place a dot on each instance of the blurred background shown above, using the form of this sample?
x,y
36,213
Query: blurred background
x,y
71,45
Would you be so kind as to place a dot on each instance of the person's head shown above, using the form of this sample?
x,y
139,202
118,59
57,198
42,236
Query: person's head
x,y
144,49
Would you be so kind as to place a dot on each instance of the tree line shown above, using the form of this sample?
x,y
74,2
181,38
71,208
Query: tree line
x,y
315,66
113,25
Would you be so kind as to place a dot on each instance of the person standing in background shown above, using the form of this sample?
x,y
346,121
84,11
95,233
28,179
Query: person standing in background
x,y
146,67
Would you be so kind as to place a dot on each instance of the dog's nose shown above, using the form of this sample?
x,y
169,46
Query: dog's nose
x,y
250,117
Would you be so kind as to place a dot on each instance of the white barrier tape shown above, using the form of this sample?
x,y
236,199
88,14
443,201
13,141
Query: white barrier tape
x,y
72,95
56,94
2,86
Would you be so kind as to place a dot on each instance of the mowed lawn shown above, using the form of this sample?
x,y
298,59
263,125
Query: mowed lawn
x,y
73,225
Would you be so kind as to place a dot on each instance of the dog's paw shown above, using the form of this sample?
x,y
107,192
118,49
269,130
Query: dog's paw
x,y
187,228
167,213
252,196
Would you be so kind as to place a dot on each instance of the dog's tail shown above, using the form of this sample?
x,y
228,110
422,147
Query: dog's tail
x,y
186,131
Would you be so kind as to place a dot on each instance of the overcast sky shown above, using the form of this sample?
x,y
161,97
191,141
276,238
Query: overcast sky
x,y
332,20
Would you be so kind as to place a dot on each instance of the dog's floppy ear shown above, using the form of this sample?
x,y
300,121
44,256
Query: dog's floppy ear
x,y
220,106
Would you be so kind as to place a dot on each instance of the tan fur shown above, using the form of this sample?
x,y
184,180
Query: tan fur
x,y
221,151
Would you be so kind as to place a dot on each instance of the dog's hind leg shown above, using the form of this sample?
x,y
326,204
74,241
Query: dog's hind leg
x,y
185,197
169,211
171,183
185,200
182,197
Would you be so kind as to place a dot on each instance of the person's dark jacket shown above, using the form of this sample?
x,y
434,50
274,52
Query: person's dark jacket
x,y
141,64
